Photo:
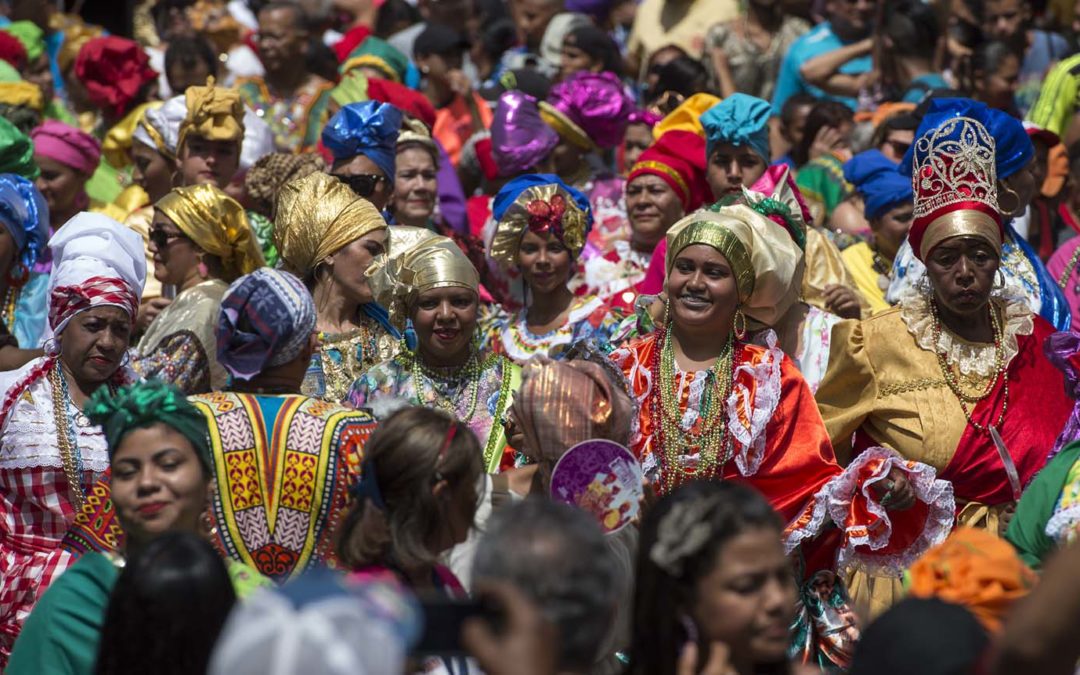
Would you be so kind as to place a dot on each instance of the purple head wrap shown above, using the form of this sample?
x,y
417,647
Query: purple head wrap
x,y
1063,350
646,117
597,103
519,138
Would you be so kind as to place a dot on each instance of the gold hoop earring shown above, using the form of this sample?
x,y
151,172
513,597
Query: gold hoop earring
x,y
739,324
1005,189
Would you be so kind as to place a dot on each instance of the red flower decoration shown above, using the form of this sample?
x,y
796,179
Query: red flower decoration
x,y
547,216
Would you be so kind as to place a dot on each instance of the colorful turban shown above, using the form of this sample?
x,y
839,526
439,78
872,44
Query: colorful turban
x,y
563,403
678,158
215,113
12,50
116,148
414,131
879,181
266,320
589,110
273,171
976,570
114,71
67,145
217,224
954,177
539,203
520,139
31,37
24,94
144,404
417,260
316,216
776,197
739,120
16,151
368,128
687,116
75,37
159,127
25,215
380,55
764,259
96,262
407,100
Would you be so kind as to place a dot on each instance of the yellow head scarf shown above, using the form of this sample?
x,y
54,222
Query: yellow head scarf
x,y
417,260
567,130
22,94
215,113
686,117
765,261
217,224
316,216
116,147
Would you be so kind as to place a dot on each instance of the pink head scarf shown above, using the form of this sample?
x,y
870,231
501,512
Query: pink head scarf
x,y
67,145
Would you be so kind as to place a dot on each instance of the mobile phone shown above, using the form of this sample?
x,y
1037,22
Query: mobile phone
x,y
443,619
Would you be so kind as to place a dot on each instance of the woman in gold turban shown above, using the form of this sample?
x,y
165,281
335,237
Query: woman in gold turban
x,y
426,279
208,146
201,243
328,236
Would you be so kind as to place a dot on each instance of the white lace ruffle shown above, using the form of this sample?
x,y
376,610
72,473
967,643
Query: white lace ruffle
x,y
839,492
1063,524
793,536
971,358
756,408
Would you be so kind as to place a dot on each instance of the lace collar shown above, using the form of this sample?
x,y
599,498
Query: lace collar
x,y
972,358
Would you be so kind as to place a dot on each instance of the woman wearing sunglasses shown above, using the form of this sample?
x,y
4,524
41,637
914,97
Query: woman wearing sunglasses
x,y
201,243
363,140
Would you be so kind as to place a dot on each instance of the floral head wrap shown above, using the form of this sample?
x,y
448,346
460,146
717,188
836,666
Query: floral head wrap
x,y
538,203
764,259
16,151
316,216
266,320
215,113
367,128
67,145
740,120
25,215
417,260
217,224
114,70
143,404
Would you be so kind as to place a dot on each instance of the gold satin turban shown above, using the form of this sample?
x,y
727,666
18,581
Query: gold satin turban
x,y
417,260
217,224
767,264
215,113
316,216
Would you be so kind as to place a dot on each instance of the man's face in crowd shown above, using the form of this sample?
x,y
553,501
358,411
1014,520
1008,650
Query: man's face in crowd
x,y
851,19
1005,20
281,39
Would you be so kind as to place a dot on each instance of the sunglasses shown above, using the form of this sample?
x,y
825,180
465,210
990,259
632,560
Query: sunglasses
x,y
161,239
362,184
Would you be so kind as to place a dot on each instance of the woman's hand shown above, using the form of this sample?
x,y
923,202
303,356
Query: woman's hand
x,y
527,644
895,493
843,302
826,141
718,663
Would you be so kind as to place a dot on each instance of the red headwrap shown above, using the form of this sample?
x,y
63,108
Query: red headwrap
x,y
67,301
113,70
401,97
12,50
678,157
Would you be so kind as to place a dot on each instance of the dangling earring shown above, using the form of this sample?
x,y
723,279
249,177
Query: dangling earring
x,y
739,324
999,280
204,273
51,347
1005,189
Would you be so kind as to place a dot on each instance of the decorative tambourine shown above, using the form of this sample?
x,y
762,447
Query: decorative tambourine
x,y
603,478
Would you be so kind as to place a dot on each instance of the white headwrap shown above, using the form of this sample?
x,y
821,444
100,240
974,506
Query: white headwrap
x,y
258,140
160,127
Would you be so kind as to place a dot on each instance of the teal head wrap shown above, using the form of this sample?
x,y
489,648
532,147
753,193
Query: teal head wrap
x,y
739,120
143,404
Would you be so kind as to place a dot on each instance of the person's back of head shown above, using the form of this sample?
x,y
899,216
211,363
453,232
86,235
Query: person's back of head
x,y
395,16
167,608
188,62
558,557
683,75
824,114
910,28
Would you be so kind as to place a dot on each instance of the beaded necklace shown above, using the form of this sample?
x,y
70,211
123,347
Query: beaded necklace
x,y
357,349
472,371
11,299
1063,281
883,269
66,438
953,380
711,440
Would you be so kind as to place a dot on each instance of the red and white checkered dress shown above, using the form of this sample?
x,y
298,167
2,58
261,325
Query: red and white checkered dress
x,y
36,506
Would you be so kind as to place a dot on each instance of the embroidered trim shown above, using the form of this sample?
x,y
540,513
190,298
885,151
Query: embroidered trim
x,y
757,408
911,386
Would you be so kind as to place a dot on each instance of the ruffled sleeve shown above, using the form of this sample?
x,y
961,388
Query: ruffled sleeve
x,y
848,393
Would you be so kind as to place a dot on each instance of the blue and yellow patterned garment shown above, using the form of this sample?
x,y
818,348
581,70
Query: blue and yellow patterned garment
x,y
480,404
344,357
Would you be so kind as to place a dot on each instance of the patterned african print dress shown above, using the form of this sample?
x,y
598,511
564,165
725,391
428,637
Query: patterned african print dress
x,y
37,504
589,319
479,398
296,121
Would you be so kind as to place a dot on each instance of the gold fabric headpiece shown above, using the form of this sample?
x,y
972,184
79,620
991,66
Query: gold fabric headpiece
x,y
764,259
216,223
567,130
571,228
116,148
417,260
316,216
415,131
215,113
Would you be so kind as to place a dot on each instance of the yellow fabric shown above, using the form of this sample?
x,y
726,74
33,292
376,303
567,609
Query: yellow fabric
x,y
116,147
75,36
139,220
217,224
859,261
316,216
880,379
107,209
215,113
417,260
824,267
658,24
372,61
764,259
686,117
515,222
567,130
195,309
22,94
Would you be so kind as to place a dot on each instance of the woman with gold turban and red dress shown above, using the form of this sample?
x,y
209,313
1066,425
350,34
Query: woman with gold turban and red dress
x,y
714,407
955,376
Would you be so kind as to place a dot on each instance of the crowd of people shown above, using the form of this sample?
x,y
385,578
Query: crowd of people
x,y
309,304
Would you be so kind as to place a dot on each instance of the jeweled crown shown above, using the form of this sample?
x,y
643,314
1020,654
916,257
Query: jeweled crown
x,y
954,169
